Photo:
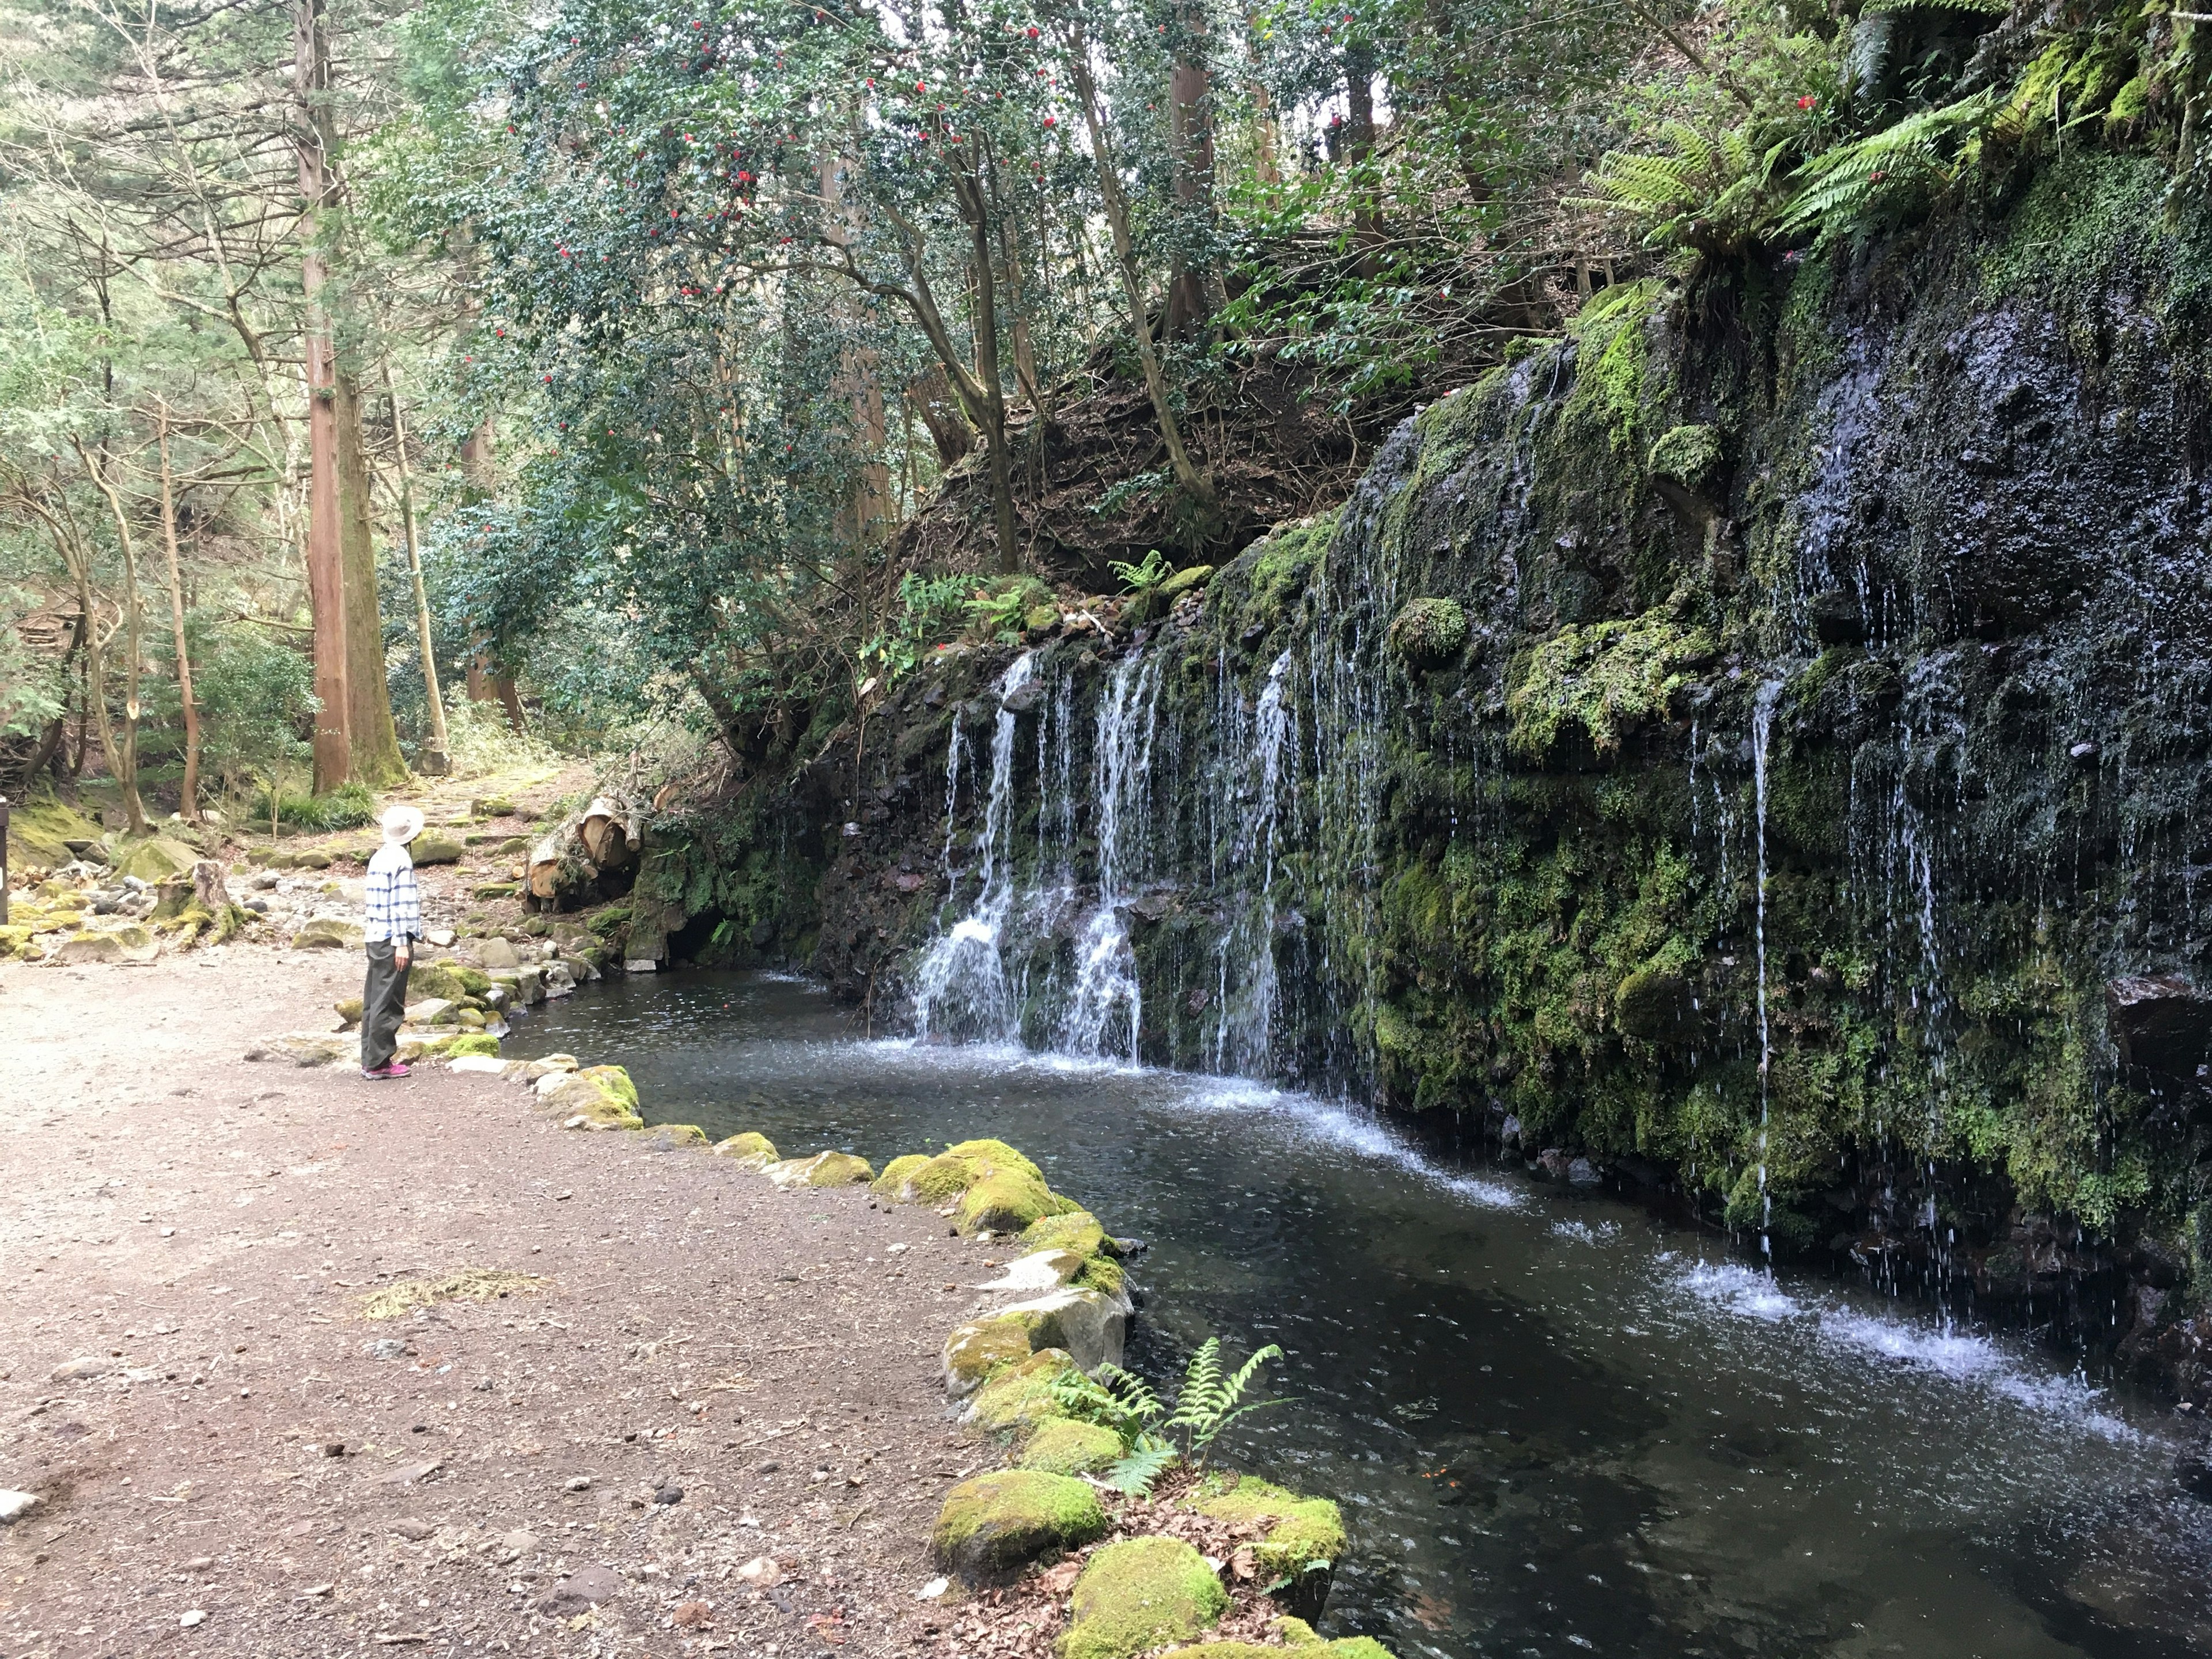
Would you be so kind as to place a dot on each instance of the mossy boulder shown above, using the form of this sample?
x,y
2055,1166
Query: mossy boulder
x,y
1007,1201
41,829
153,860
1075,1230
133,943
992,1526
673,1137
1653,1006
1303,1542
1140,1594
434,849
1428,632
1689,456
1089,1325
473,1042
1187,580
1019,1398
979,1350
750,1150
823,1169
601,1097
891,1183
1063,1446
328,933
453,981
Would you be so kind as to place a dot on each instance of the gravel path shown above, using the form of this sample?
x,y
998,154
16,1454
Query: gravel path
x,y
712,1372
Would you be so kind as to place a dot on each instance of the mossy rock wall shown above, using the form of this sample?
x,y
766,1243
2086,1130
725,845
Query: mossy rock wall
x,y
1833,694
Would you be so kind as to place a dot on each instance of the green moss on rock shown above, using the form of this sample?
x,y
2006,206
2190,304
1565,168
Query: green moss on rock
x,y
1607,678
1065,1447
980,1349
891,1183
831,1168
1007,1201
671,1137
474,1042
1140,1594
1687,455
1427,632
1075,1230
750,1149
1019,1398
992,1526
1303,1542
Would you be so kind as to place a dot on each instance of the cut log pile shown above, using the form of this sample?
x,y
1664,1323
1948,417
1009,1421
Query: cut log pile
x,y
568,862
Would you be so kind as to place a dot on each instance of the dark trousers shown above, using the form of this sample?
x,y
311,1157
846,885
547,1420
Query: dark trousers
x,y
383,1001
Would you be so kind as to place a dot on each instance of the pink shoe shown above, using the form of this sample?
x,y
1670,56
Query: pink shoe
x,y
395,1069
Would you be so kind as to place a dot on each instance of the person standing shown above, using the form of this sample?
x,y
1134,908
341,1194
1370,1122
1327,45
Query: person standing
x,y
394,923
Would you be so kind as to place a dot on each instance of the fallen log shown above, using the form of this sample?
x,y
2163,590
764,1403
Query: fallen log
x,y
567,864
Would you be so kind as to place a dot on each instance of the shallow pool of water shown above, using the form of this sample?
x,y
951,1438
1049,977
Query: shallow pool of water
x,y
1555,1426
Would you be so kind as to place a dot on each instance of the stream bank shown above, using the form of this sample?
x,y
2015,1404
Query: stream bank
x,y
1490,1374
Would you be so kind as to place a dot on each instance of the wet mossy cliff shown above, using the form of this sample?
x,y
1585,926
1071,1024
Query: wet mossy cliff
x,y
1757,743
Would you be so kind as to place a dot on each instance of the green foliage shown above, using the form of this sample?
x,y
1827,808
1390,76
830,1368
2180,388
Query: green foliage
x,y
1901,168
1605,678
1143,577
1711,197
1155,1435
346,807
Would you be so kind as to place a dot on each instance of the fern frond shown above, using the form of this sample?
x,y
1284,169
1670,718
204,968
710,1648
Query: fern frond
x,y
1838,188
1136,1472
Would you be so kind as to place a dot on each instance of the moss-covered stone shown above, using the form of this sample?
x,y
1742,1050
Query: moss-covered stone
x,y
40,828
473,1042
673,1137
1019,1398
1140,1594
1189,580
1686,455
831,1168
588,1100
1427,632
1348,1647
153,860
1303,1542
979,1350
1062,1446
328,933
432,847
1077,1231
892,1184
750,1149
1007,1201
453,981
992,1526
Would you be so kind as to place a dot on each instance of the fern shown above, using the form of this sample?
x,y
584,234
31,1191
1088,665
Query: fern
x,y
1706,197
1114,1400
1143,577
1209,1402
1845,189
1142,1466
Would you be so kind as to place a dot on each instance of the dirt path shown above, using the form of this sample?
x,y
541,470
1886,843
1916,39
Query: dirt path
x,y
713,1371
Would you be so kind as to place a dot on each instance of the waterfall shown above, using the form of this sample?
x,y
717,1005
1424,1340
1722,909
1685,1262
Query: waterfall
x,y
1762,729
960,987
1243,1041
1105,1012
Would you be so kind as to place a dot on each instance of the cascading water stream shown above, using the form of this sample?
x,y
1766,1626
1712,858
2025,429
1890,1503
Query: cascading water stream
x,y
1105,1013
960,987
1762,729
1243,1040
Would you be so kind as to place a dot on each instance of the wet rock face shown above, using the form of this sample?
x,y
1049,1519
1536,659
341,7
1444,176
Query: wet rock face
x,y
1743,739
2162,1025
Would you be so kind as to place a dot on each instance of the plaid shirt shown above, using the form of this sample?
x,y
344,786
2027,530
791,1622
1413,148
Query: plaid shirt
x,y
395,908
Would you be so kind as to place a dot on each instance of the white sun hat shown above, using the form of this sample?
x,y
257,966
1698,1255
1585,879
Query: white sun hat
x,y
402,823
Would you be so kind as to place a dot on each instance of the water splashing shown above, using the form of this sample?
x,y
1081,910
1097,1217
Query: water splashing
x,y
1762,729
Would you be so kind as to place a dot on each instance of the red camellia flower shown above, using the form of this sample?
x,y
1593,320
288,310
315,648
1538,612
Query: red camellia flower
x,y
1049,120
1809,101
1033,32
